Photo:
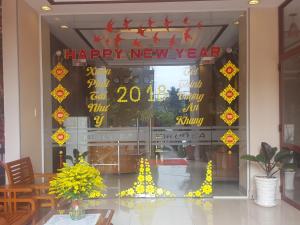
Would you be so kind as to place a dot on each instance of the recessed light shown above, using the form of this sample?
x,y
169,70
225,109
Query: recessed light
x,y
64,27
253,2
46,8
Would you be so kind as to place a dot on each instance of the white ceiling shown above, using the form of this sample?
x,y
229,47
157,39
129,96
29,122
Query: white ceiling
x,y
195,6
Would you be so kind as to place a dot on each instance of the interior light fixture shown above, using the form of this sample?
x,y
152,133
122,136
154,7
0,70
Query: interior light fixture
x,y
46,8
253,2
236,22
64,27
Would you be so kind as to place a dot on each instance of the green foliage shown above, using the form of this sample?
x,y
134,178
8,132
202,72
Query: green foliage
x,y
166,111
76,156
271,160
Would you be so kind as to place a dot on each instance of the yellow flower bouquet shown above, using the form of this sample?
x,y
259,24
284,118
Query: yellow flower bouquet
x,y
77,182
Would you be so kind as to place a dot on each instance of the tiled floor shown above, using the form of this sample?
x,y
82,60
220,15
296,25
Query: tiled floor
x,y
180,211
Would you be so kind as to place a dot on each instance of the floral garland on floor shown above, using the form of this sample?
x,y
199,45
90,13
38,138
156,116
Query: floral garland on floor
x,y
206,187
145,186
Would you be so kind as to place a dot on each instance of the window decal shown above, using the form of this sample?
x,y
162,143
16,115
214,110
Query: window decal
x,y
60,115
60,136
60,93
206,188
229,94
230,139
229,70
144,185
229,116
59,71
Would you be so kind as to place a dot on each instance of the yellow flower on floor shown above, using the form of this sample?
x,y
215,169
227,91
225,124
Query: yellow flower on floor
x,y
148,178
209,178
198,193
130,191
141,178
207,189
159,191
140,189
150,189
190,194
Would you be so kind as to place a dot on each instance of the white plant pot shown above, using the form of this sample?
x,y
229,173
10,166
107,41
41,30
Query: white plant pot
x,y
266,191
289,180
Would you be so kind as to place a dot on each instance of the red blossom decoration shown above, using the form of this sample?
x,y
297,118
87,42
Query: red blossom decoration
x,y
109,26
141,31
167,23
126,23
118,39
155,38
137,43
107,41
172,41
97,38
199,25
150,23
187,35
186,21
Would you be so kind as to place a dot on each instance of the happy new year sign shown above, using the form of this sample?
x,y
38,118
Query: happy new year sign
x,y
145,53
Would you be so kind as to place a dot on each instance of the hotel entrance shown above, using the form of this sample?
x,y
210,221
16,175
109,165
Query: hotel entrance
x,y
156,102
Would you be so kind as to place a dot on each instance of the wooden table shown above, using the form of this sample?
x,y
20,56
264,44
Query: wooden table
x,y
105,217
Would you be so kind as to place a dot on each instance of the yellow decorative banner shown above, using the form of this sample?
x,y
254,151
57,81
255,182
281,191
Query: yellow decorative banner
x,y
230,139
144,186
60,93
60,115
60,136
229,116
229,94
59,71
206,187
229,70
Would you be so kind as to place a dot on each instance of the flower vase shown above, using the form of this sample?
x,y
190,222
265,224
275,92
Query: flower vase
x,y
76,212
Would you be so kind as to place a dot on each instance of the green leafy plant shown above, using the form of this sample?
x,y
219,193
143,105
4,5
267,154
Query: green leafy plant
x,y
76,156
271,160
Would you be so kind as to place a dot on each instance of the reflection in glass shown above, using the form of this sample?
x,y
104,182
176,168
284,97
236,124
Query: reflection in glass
x,y
292,180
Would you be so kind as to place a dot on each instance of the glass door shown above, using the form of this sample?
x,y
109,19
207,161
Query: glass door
x,y
156,102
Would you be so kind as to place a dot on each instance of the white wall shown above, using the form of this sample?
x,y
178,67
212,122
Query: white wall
x,y
22,96
11,80
263,83
29,77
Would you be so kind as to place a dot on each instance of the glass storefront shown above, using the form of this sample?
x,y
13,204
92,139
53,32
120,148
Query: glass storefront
x,y
289,92
156,102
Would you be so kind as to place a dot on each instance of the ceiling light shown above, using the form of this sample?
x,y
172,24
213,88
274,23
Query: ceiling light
x,y
64,27
236,22
253,2
46,8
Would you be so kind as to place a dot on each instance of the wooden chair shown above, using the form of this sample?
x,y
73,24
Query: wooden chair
x,y
10,212
20,172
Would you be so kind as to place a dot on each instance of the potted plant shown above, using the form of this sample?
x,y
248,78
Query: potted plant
x,y
76,156
271,161
289,175
76,183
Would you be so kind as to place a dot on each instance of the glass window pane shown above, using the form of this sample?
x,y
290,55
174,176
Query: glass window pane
x,y
290,81
173,95
291,25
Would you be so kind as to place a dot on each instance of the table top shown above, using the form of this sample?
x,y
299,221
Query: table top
x,y
105,217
